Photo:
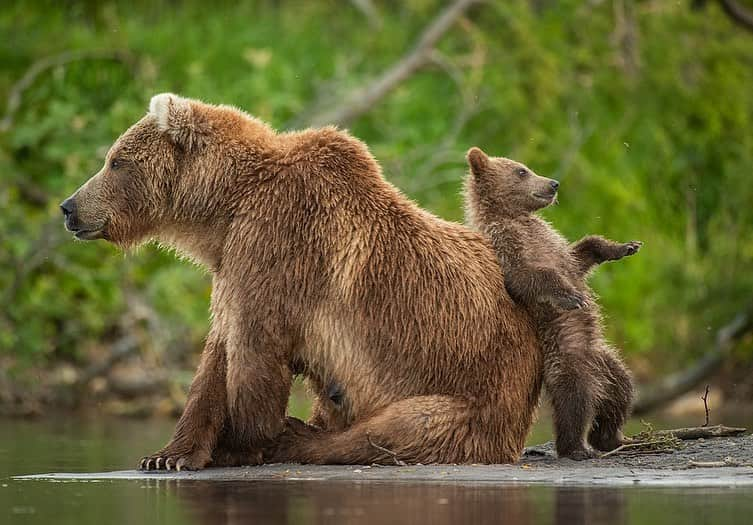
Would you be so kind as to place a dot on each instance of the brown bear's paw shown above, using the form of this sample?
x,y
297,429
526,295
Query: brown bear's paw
x,y
175,459
631,248
290,445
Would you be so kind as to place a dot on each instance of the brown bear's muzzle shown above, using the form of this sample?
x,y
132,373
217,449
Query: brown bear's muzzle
x,y
73,224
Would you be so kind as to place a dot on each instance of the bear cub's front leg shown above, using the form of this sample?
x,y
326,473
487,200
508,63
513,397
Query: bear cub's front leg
x,y
594,249
552,288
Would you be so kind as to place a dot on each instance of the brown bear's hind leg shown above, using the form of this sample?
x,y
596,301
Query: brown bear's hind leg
x,y
422,429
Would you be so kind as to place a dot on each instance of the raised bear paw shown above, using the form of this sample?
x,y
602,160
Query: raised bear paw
x,y
631,248
170,458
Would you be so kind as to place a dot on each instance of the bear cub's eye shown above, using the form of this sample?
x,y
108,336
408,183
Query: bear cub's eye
x,y
522,172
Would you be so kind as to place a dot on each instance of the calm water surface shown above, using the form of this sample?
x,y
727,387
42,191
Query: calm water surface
x,y
77,444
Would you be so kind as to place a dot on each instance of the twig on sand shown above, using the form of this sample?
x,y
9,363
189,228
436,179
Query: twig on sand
x,y
638,453
701,432
631,447
652,441
398,462
705,398
726,462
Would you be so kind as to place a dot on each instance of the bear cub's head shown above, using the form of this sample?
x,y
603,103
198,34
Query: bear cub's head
x,y
504,187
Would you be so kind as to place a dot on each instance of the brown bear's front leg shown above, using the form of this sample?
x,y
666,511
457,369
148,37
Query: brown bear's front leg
x,y
203,417
258,384
593,250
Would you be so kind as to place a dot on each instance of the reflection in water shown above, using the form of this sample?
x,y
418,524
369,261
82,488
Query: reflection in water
x,y
98,444
395,503
589,506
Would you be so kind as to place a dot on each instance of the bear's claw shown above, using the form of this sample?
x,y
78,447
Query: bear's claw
x,y
166,460
632,247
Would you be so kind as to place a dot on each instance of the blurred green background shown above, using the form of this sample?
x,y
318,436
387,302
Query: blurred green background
x,y
643,110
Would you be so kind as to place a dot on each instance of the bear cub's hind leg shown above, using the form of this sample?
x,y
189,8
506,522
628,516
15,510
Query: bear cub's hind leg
x,y
614,407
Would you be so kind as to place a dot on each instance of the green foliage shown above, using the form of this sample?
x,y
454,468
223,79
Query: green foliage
x,y
643,111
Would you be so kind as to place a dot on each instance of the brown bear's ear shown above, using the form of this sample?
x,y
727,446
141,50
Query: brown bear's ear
x,y
178,120
478,160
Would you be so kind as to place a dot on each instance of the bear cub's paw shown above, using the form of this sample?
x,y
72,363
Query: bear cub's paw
x,y
631,248
581,454
571,300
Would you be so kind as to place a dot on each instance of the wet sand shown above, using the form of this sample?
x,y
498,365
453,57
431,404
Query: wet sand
x,y
703,462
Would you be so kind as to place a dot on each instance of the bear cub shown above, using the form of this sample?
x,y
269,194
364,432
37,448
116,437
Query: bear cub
x,y
590,387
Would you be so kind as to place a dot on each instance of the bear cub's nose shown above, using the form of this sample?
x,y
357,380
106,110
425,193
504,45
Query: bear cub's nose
x,y
554,184
67,206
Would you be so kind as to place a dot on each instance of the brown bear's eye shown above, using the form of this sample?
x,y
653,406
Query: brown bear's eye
x,y
114,164
522,172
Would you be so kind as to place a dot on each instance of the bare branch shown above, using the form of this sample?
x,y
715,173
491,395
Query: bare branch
x,y
398,462
363,98
633,446
369,11
124,347
684,381
705,399
49,238
726,462
738,13
691,433
16,92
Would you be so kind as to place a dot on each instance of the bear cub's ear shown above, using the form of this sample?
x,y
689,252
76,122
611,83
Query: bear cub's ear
x,y
478,160
178,120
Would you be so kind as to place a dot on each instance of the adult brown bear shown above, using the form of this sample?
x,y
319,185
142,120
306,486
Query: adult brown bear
x,y
319,265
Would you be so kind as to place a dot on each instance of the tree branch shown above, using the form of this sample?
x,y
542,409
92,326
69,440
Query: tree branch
x,y
361,99
704,432
738,13
681,382
16,92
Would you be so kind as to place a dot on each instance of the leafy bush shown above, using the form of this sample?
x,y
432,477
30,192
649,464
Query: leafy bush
x,y
644,112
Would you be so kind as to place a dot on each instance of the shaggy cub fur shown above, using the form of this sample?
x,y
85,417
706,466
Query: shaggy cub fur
x,y
590,387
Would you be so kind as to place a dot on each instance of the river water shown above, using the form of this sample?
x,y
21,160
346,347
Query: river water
x,y
92,444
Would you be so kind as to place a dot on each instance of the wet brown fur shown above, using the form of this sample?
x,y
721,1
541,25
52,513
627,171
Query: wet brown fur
x,y
590,387
319,266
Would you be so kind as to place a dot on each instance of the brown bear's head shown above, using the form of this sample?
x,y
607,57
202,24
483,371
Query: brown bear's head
x,y
503,186
161,176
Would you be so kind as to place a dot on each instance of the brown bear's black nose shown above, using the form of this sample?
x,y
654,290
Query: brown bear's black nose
x,y
554,184
67,206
